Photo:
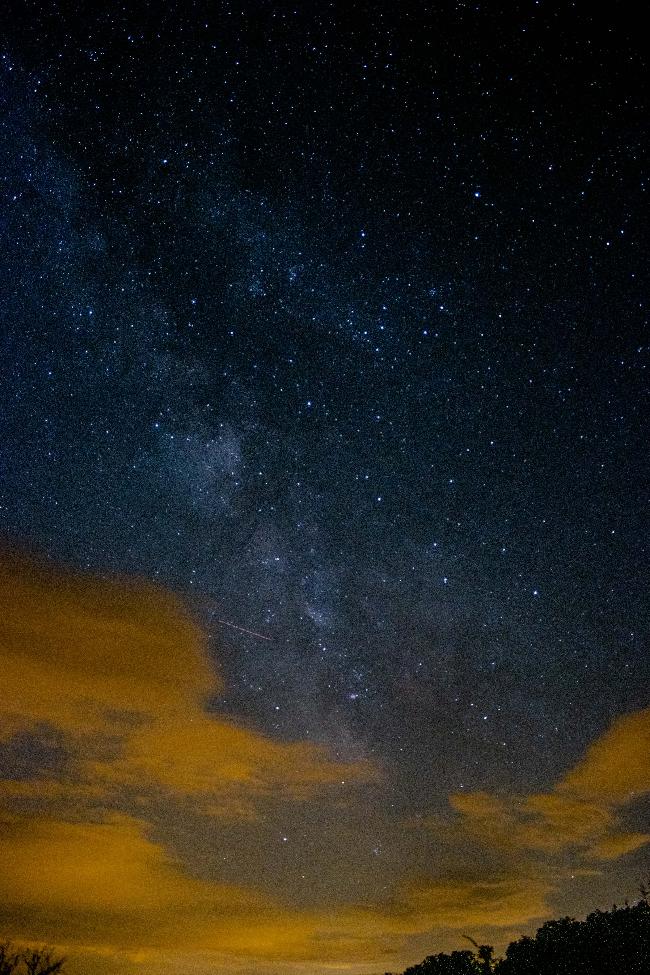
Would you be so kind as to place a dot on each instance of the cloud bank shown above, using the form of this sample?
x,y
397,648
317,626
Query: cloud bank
x,y
108,732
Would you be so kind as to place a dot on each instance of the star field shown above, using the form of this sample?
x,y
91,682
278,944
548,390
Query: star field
x,y
331,319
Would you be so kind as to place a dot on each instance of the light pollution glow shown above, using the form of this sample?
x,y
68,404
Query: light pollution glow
x,y
112,683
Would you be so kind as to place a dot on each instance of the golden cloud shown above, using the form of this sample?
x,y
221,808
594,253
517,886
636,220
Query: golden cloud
x,y
547,822
581,813
121,672
105,890
451,904
108,885
75,650
494,901
108,889
616,768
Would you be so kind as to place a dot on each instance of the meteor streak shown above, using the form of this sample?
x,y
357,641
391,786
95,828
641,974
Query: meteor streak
x,y
242,629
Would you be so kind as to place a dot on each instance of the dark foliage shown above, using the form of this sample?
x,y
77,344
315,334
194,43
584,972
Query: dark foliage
x,y
457,963
605,943
615,942
31,961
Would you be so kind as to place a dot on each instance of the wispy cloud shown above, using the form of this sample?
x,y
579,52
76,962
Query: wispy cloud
x,y
581,814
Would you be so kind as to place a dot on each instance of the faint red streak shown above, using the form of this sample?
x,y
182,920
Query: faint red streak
x,y
242,629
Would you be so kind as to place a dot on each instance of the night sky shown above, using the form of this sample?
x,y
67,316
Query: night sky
x,y
323,478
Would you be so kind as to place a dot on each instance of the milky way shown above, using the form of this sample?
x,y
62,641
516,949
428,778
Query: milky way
x,y
332,323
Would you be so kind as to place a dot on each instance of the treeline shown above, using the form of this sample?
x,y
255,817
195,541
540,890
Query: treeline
x,y
615,942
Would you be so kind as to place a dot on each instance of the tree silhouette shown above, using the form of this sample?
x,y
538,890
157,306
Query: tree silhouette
x,y
8,960
457,963
605,943
31,961
41,962
484,956
615,942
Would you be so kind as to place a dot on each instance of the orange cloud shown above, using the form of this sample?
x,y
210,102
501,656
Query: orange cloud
x,y
452,904
106,889
581,813
193,756
492,901
75,650
616,768
106,866
121,671
107,884
545,822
